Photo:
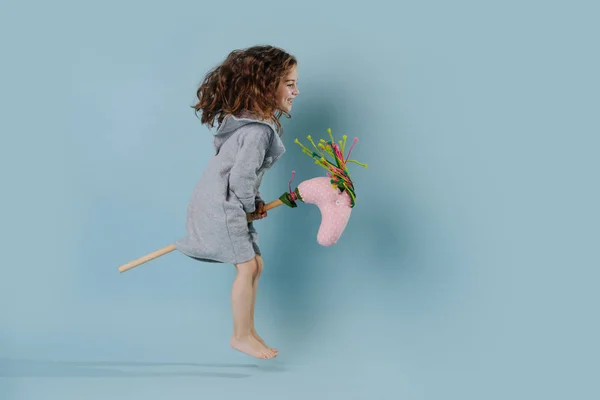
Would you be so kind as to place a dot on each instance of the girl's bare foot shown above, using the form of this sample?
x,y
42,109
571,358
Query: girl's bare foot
x,y
251,346
263,342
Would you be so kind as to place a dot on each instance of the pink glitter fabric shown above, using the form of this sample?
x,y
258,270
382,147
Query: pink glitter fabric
x,y
335,207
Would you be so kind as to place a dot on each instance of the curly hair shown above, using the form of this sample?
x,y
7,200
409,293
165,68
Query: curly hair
x,y
246,80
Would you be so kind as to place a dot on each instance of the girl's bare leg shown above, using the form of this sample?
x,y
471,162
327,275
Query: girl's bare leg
x,y
241,303
260,264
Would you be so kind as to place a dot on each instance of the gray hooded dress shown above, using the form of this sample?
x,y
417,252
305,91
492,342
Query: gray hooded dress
x,y
217,228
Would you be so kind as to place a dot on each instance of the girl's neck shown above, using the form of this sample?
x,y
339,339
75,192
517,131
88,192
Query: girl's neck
x,y
250,115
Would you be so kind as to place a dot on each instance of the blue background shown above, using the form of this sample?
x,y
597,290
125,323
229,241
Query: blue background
x,y
468,269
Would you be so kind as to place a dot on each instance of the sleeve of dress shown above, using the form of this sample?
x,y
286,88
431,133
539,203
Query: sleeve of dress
x,y
258,197
253,143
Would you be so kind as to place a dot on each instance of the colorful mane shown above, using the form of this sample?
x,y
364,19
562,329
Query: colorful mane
x,y
338,168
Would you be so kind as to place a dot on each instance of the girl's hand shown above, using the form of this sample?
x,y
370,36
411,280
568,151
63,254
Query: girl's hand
x,y
260,210
259,213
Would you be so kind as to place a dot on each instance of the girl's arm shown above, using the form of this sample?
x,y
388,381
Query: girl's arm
x,y
253,142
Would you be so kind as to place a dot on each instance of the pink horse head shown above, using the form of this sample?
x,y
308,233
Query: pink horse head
x,y
334,205
330,193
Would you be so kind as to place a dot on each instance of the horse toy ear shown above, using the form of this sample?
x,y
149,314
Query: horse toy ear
x,y
334,195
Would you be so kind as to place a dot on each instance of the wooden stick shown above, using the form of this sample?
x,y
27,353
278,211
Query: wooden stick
x,y
146,258
171,247
271,205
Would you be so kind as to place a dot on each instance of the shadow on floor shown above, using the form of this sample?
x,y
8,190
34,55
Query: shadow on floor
x,y
105,369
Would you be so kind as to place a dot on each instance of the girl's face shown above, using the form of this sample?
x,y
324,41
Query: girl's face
x,y
287,90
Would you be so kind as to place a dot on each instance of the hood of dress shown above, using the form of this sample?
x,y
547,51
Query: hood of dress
x,y
231,123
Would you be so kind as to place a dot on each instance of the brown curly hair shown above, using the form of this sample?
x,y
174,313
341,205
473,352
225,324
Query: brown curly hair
x,y
246,80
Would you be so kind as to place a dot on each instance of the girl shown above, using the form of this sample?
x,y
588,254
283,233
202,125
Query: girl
x,y
246,95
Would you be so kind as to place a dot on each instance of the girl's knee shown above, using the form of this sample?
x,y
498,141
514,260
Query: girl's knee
x,y
259,264
248,268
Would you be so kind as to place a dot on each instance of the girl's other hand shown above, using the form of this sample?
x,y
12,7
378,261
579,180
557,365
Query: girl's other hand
x,y
259,213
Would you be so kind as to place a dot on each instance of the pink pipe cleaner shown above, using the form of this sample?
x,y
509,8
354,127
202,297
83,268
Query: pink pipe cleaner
x,y
351,147
292,193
